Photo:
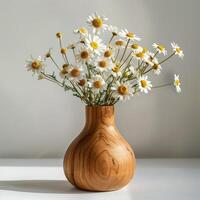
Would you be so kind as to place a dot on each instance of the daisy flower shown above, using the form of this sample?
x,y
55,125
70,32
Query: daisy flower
x,y
83,55
116,71
97,22
160,48
107,53
144,84
113,29
103,64
82,31
177,83
59,35
75,73
95,44
119,43
178,51
64,71
97,83
152,59
35,65
83,82
156,66
128,35
123,91
136,48
142,56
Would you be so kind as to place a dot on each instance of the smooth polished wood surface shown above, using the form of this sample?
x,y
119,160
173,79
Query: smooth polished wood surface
x,y
99,159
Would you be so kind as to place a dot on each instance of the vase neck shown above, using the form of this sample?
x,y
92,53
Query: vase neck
x,y
96,115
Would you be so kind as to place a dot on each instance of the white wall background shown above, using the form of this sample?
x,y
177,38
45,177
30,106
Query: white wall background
x,y
37,119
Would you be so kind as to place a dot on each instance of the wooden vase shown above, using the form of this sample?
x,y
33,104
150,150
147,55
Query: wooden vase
x,y
99,159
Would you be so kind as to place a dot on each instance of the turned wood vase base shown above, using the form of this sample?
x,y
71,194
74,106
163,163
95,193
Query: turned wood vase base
x,y
99,159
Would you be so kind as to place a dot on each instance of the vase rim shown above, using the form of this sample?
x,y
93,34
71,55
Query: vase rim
x,y
100,106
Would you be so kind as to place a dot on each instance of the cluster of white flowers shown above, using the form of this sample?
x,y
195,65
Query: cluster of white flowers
x,y
104,73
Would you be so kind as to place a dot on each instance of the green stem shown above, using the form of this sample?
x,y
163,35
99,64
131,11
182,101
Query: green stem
x,y
155,54
55,63
124,50
164,85
118,50
108,78
161,62
88,69
148,70
52,79
126,59
116,100
128,65
64,56
74,53
60,43
83,92
67,61
111,39
167,58
78,93
108,90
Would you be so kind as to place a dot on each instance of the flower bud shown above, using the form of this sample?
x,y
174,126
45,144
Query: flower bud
x,y
48,55
58,35
63,50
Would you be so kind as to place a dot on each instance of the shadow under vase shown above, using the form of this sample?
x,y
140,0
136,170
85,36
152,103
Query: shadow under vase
x,y
40,186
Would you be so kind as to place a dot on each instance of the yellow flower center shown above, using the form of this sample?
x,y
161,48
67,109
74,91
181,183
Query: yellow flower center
x,y
140,55
119,43
126,74
64,70
161,47
116,69
98,84
36,64
155,66
97,22
102,64
177,82
134,46
122,89
144,50
84,54
83,30
178,50
65,65
58,35
63,50
75,72
130,35
94,45
82,82
143,83
107,54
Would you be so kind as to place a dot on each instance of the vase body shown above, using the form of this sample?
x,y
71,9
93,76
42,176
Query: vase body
x,y
99,159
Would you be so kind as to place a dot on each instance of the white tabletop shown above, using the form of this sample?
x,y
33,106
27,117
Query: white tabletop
x,y
154,179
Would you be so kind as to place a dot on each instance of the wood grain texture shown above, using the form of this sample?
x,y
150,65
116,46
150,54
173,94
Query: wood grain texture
x,y
99,159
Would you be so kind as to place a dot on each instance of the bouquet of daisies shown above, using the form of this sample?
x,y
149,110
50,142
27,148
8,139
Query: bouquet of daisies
x,y
102,73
